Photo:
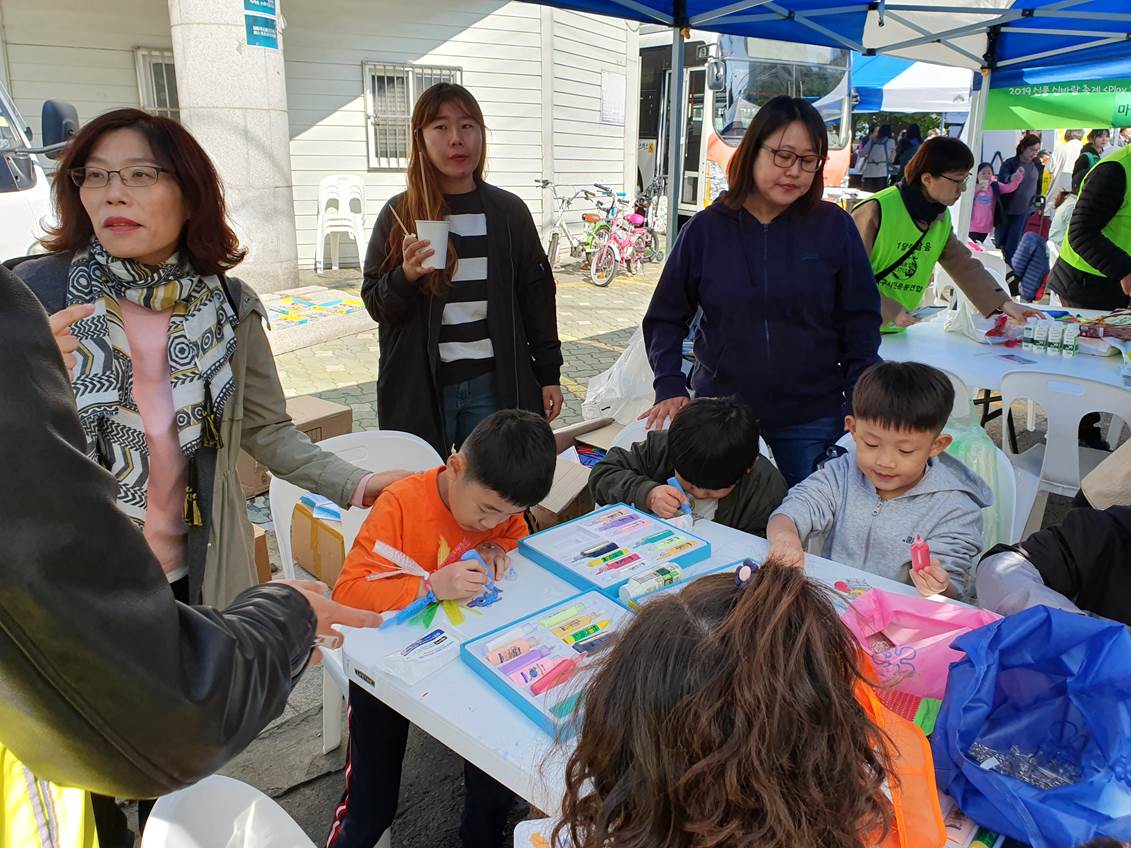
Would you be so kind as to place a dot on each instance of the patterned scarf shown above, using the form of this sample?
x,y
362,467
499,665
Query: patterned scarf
x,y
202,341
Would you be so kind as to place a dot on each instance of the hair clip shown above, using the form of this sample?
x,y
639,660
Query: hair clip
x,y
744,572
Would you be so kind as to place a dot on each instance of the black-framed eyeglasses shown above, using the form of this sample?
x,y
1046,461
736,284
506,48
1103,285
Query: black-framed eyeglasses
x,y
136,176
786,158
962,183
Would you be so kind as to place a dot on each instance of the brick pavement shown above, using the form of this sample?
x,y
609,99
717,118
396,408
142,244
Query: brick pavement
x,y
594,324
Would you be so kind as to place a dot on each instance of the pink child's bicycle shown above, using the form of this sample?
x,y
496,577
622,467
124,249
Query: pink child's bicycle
x,y
626,245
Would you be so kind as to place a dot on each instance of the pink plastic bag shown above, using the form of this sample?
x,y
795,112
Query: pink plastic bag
x,y
909,637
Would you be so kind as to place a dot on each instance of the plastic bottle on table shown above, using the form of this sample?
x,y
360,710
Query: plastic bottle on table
x,y
1056,338
1071,342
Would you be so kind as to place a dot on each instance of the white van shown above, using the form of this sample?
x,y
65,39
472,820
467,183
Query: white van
x,y
25,190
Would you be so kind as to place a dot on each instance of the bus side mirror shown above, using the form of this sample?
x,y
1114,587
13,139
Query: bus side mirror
x,y
59,121
716,75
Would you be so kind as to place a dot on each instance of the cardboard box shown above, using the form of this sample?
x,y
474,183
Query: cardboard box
x,y
317,545
569,496
262,559
319,419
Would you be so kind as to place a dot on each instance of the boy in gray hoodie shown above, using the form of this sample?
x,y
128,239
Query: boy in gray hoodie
x,y
897,483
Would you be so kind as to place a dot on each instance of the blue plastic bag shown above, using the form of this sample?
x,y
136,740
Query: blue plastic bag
x,y
1044,695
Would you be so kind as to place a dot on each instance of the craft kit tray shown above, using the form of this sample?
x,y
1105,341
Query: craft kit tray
x,y
605,548
540,663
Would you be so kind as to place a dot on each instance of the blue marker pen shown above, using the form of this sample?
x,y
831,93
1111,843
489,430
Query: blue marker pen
x,y
685,508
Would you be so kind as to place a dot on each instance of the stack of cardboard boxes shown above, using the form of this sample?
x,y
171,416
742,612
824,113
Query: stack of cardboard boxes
x,y
319,419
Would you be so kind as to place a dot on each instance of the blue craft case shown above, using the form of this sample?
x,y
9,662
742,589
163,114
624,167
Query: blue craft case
x,y
527,548
558,728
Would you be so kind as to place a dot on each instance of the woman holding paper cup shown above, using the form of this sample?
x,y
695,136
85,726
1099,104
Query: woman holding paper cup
x,y
907,232
459,285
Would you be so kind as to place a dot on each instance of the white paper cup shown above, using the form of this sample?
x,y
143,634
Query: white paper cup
x,y
436,234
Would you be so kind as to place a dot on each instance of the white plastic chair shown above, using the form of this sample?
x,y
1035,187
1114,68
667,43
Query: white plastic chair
x,y
341,209
373,450
1059,464
220,812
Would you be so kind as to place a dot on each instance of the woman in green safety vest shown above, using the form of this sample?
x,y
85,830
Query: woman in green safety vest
x,y
1093,270
906,230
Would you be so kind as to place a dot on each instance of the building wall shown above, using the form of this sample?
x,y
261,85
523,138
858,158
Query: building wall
x,y
79,51
536,72
499,46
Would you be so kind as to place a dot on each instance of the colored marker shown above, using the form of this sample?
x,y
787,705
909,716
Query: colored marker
x,y
558,617
591,630
619,563
572,626
509,651
593,644
619,552
658,537
597,550
920,554
556,676
685,507
676,551
525,661
532,672
565,708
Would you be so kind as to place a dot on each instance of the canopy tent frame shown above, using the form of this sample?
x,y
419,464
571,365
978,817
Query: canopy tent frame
x,y
998,20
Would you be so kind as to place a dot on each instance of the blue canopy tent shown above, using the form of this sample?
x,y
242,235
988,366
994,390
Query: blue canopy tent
x,y
1057,39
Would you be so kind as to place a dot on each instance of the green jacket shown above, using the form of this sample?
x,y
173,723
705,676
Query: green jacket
x,y
220,555
627,476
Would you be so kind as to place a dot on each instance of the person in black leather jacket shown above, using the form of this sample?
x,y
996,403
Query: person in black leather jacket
x,y
97,660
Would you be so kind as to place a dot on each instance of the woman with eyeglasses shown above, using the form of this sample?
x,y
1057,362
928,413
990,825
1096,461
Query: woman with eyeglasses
x,y
907,231
169,361
790,311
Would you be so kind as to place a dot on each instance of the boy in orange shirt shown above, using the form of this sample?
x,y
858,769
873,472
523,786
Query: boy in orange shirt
x,y
475,501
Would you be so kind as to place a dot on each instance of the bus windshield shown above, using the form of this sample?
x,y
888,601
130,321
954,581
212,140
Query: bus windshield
x,y
757,70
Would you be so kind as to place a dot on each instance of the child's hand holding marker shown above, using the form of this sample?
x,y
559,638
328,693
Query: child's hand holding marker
x,y
495,558
668,501
928,575
462,580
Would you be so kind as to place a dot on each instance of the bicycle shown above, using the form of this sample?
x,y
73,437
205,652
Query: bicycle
x,y
595,223
625,245
645,206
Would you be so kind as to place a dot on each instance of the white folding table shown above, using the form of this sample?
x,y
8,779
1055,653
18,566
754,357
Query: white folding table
x,y
460,710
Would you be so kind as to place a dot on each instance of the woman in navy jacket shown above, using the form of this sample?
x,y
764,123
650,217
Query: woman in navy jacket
x,y
791,312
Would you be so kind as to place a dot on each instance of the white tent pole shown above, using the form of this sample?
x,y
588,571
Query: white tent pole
x,y
732,9
652,14
974,126
923,31
675,134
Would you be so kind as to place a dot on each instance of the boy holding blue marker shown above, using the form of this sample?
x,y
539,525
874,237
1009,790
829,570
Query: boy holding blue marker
x,y
707,464
436,534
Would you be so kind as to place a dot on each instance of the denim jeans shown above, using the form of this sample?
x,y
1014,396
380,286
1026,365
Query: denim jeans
x,y
798,447
1007,234
466,404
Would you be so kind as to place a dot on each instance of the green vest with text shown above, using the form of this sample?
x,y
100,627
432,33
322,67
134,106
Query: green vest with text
x,y
1118,229
906,282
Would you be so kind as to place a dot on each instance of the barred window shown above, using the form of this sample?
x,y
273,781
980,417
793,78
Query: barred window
x,y
157,82
390,95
